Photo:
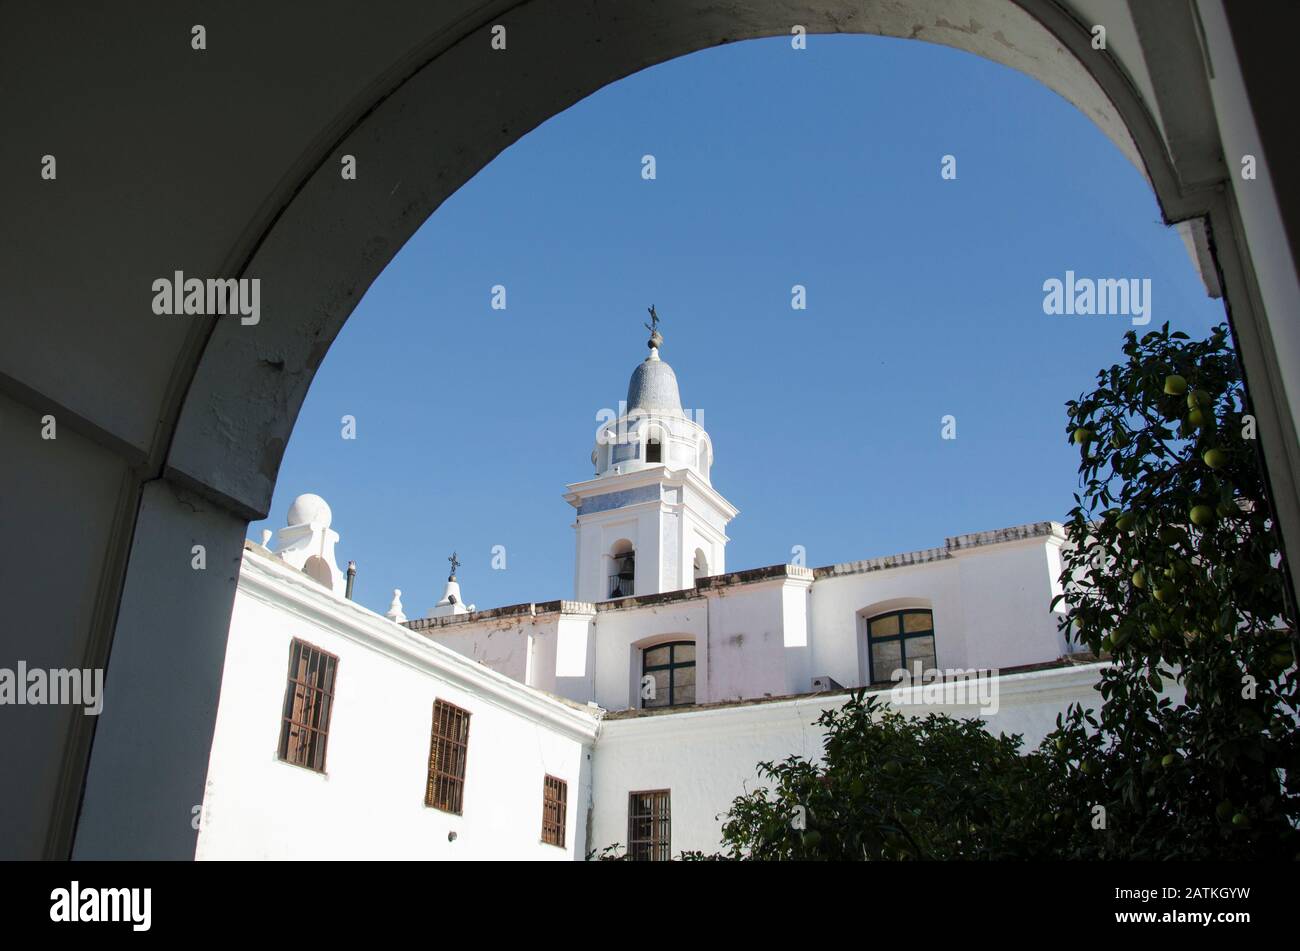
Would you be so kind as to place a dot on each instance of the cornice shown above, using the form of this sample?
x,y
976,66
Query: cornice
x,y
287,589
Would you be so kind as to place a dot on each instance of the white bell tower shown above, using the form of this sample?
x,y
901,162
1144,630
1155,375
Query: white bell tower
x,y
649,521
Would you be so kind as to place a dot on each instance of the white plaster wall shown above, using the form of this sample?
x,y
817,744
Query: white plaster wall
x,y
991,604
575,658
370,801
839,601
1006,594
504,645
708,757
621,634
762,639
747,653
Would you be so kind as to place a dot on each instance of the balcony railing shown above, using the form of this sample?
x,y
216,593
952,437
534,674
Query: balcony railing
x,y
620,587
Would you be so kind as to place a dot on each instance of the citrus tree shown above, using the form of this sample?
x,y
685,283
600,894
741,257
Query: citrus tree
x,y
896,787
1174,571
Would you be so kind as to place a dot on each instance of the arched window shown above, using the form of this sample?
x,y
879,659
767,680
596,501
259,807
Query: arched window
x,y
900,640
654,450
622,575
668,674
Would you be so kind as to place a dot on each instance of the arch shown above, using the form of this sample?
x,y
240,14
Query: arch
x,y
622,569
701,565
425,124
327,240
704,455
654,444
318,569
867,672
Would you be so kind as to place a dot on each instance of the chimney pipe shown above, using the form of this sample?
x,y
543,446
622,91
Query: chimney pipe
x,y
352,576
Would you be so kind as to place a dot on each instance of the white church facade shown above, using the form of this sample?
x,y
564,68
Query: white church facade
x,y
629,716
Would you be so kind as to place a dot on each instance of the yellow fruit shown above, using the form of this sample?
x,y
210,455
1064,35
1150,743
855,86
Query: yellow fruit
x,y
1215,458
1125,522
1139,579
1175,385
1202,515
1082,435
1196,418
1169,760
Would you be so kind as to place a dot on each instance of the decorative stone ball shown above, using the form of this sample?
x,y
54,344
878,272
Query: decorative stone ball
x,y
307,509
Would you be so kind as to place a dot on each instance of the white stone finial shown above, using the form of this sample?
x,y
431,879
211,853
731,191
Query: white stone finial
x,y
307,542
266,537
395,609
451,603
309,509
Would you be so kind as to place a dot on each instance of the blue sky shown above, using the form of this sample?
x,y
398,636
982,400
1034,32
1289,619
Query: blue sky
x,y
775,167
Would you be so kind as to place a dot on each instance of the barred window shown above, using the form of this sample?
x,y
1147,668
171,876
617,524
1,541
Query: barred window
x,y
898,641
649,826
555,802
448,744
308,703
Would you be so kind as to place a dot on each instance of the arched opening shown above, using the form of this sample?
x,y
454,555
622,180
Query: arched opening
x,y
226,403
318,570
622,574
703,457
701,565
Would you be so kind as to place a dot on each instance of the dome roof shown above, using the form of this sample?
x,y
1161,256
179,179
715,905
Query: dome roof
x,y
309,508
653,387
